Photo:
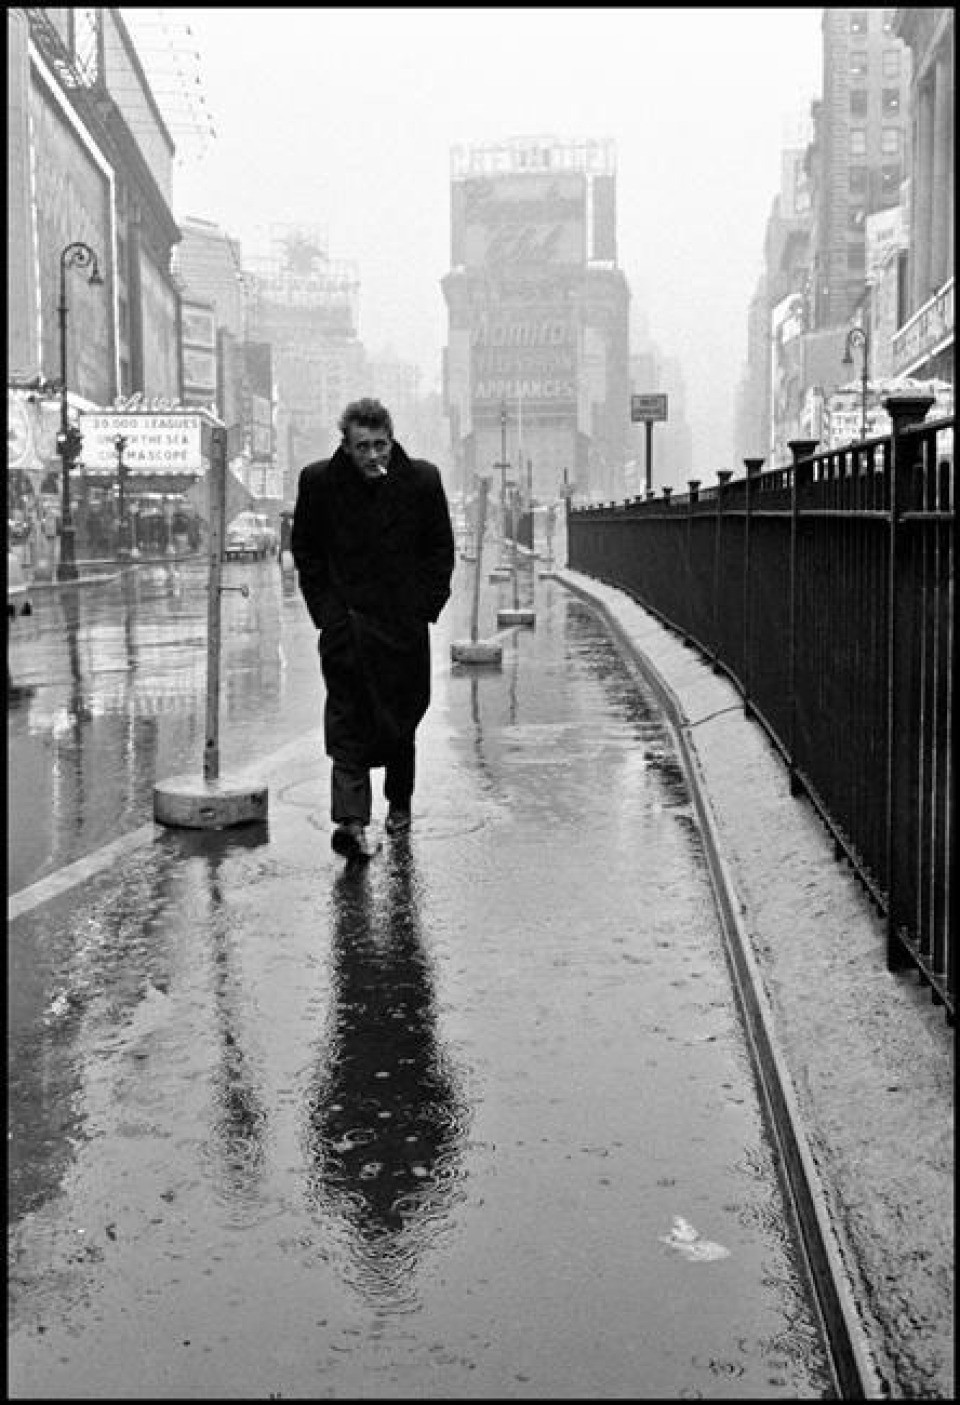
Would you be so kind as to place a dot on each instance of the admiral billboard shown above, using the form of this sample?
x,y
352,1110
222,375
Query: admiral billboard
x,y
524,353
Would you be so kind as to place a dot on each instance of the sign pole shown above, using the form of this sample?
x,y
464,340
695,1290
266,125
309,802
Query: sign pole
x,y
488,652
647,409
503,483
481,527
212,802
517,614
218,461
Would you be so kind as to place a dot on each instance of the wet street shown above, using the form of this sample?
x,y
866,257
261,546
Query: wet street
x,y
476,1120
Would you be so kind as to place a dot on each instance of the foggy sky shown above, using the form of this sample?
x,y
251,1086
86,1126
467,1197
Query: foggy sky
x,y
345,118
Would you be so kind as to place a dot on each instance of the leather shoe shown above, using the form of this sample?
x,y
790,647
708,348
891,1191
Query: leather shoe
x,y
353,842
397,821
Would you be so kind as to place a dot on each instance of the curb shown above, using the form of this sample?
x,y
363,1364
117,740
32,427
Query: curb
x,y
117,568
71,585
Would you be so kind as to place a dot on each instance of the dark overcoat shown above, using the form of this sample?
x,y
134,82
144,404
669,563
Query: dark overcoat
x,y
374,561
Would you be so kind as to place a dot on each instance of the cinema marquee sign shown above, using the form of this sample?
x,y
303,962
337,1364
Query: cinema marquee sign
x,y
155,442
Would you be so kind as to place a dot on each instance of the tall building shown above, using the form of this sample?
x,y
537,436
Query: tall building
x,y
221,362
306,306
923,347
209,263
78,95
858,160
536,363
89,163
751,431
769,395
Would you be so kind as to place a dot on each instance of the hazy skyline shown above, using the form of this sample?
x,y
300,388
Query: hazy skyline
x,y
345,118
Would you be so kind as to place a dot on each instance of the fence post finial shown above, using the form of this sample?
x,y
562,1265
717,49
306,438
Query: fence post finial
x,y
802,448
906,408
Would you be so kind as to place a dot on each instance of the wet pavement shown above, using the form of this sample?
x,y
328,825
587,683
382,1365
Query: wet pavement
x,y
108,695
475,1120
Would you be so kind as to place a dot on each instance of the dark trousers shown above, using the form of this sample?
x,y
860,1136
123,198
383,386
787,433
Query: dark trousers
x,y
350,790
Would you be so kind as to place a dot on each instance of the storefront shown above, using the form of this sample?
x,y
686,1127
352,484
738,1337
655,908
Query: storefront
x,y
33,478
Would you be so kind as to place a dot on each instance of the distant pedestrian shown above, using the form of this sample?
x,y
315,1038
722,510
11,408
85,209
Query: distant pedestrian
x,y
374,551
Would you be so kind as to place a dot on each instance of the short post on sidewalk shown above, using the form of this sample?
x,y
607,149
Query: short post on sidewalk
x,y
212,802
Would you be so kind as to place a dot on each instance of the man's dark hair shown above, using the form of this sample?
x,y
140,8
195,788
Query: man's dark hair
x,y
366,414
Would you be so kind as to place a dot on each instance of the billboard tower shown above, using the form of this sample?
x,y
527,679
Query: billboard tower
x,y
538,314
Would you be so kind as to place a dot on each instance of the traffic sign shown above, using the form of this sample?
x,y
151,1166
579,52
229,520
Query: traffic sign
x,y
648,407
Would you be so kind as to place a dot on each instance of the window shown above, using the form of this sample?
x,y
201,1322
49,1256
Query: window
x,y
889,18
890,178
859,63
858,102
890,104
890,141
891,63
903,288
855,219
856,257
858,180
858,142
858,21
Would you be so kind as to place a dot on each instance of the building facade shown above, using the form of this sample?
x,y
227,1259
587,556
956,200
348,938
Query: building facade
x,y
306,306
858,159
923,346
90,162
536,367
770,395
879,254
222,365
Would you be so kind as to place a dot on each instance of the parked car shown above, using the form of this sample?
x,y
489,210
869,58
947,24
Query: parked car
x,y
18,589
269,533
250,535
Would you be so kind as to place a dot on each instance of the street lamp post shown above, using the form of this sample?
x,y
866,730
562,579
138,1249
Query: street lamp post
x,y
75,255
120,443
857,336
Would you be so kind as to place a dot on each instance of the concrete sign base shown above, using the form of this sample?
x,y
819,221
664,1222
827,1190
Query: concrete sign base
x,y
189,802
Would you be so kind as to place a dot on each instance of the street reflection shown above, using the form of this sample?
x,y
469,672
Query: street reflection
x,y
128,598
385,1118
76,983
69,745
236,1149
288,578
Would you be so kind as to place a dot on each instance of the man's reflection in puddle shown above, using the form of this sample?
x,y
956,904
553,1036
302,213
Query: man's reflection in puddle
x,y
384,1119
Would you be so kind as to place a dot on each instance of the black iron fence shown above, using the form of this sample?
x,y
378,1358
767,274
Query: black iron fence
x,y
825,591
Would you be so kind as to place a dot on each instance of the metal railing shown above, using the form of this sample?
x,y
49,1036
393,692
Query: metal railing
x,y
825,591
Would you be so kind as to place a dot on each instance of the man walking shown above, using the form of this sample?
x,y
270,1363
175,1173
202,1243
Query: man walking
x,y
374,551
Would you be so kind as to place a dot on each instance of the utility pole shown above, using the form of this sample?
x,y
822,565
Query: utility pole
x,y
503,465
120,443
